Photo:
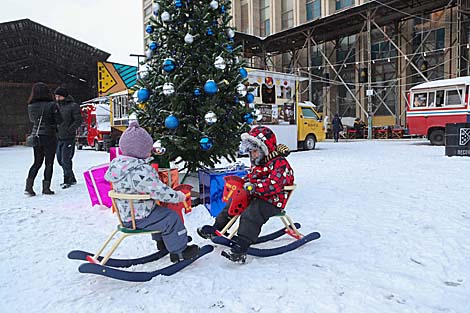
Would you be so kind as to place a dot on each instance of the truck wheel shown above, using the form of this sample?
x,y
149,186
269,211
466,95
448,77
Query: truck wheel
x,y
437,137
310,142
97,146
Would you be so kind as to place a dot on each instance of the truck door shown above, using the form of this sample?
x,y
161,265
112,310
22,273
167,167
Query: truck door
x,y
309,123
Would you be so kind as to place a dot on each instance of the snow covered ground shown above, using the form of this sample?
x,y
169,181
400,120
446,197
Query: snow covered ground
x,y
394,218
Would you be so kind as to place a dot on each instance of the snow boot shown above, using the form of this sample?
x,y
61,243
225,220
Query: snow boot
x,y
238,252
29,187
206,232
190,252
46,185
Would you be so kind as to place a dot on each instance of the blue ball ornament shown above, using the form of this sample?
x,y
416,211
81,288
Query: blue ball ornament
x,y
248,117
210,32
229,48
197,92
153,46
243,73
171,122
250,98
169,65
206,143
222,9
149,29
143,95
210,87
178,4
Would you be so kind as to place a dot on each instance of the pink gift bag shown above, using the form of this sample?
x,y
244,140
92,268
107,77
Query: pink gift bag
x,y
114,152
97,186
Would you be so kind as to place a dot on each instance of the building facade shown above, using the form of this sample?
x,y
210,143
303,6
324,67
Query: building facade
x,y
357,72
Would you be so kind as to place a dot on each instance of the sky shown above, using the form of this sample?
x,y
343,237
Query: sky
x,y
114,26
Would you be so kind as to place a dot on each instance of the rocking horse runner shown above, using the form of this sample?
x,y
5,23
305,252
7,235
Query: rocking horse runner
x,y
268,184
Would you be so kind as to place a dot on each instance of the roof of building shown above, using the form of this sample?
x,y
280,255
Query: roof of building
x,y
465,80
343,23
25,44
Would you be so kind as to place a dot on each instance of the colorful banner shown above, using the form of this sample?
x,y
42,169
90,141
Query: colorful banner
x,y
115,77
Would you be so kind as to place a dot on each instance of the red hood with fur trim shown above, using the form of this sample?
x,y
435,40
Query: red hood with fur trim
x,y
263,137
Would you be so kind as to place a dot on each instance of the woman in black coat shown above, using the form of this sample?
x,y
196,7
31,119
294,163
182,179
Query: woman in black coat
x,y
41,103
337,126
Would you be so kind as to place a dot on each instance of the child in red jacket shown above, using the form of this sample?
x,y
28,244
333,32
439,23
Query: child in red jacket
x,y
269,173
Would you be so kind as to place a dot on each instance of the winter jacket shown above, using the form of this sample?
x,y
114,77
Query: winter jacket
x,y
275,172
135,176
337,124
72,119
50,118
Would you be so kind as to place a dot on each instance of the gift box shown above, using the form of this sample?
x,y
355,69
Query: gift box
x,y
211,187
97,186
114,152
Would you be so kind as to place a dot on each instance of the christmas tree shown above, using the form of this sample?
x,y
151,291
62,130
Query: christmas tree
x,y
192,88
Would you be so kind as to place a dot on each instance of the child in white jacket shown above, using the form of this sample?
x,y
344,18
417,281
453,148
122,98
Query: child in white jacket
x,y
131,173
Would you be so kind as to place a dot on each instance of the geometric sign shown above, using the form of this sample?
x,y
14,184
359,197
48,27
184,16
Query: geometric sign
x,y
464,136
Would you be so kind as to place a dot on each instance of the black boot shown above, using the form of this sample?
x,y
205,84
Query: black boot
x,y
160,245
187,254
238,252
46,188
29,187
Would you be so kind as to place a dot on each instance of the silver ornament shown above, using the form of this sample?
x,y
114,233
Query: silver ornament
x,y
210,118
189,38
143,71
148,54
230,33
241,89
156,8
165,16
214,5
251,105
168,89
219,63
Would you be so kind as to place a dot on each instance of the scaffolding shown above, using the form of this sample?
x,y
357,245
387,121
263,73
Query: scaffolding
x,y
361,61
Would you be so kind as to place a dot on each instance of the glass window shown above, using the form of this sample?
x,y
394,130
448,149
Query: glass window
x,y
420,100
244,17
454,97
431,102
265,21
313,9
341,4
439,98
308,113
287,14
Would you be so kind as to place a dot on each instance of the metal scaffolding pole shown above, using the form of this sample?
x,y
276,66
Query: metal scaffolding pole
x,y
369,91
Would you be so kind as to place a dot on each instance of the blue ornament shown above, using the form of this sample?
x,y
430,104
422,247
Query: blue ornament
x,y
197,92
236,100
222,9
229,48
143,94
169,65
171,122
250,98
210,32
149,29
206,143
178,4
248,117
210,87
243,73
153,46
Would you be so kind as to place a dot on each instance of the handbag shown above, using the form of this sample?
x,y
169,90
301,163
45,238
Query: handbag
x,y
33,139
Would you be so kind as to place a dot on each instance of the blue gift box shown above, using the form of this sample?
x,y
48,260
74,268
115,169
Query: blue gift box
x,y
211,187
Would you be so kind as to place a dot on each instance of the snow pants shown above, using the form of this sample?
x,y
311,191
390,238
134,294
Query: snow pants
x,y
252,219
173,233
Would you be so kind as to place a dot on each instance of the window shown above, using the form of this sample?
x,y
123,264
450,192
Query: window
x,y
341,4
454,97
313,9
439,98
420,100
287,14
244,17
308,113
265,21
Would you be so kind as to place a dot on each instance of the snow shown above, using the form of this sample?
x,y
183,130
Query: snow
x,y
394,218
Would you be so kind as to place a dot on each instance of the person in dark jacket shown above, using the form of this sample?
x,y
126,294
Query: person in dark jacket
x,y
270,172
41,103
72,119
337,126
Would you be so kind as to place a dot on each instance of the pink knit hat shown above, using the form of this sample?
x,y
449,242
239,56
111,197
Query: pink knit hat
x,y
136,142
